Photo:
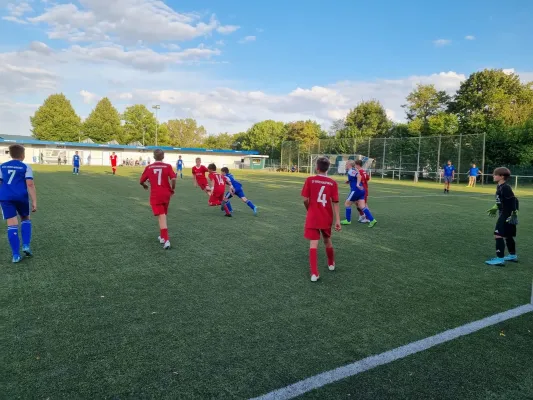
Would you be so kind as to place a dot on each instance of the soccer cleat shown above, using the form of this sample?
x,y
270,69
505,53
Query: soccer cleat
x,y
496,261
166,246
346,222
17,259
27,251
511,257
372,223
331,267
314,278
228,215
161,240
255,211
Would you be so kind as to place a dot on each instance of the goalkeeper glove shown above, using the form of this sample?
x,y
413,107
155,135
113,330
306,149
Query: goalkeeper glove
x,y
491,212
513,219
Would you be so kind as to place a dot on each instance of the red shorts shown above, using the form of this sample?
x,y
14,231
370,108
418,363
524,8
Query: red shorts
x,y
216,198
160,209
314,234
203,185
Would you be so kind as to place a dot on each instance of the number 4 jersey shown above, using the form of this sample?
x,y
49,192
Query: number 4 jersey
x,y
14,176
159,175
321,192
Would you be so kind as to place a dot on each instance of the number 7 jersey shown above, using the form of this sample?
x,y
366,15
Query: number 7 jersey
x,y
321,191
159,175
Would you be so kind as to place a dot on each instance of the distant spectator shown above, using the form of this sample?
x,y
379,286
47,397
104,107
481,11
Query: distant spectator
x,y
59,160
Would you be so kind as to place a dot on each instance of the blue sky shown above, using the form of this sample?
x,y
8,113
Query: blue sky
x,y
232,63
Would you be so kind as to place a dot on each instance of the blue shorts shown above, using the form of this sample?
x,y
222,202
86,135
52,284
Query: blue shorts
x,y
179,168
447,179
356,195
239,193
76,165
10,209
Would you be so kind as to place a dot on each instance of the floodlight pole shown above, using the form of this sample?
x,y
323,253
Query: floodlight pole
x,y
156,108
483,161
418,158
459,161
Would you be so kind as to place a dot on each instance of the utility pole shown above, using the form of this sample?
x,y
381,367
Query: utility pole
x,y
156,108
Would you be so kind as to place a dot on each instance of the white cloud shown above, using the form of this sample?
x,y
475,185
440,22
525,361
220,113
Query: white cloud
x,y
170,46
247,39
14,19
225,30
88,97
19,8
470,37
442,42
40,47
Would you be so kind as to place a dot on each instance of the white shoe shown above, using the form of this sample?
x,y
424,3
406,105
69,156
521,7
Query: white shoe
x,y
166,246
365,221
362,218
314,278
331,267
161,240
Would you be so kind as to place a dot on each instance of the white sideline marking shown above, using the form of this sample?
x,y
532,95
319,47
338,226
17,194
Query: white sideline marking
x,y
337,374
428,195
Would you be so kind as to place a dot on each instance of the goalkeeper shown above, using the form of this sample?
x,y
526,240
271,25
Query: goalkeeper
x,y
506,208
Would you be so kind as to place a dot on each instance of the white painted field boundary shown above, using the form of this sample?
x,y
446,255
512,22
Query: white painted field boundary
x,y
429,195
334,375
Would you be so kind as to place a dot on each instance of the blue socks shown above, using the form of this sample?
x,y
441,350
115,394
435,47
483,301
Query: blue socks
x,y
25,230
349,214
14,241
368,214
250,204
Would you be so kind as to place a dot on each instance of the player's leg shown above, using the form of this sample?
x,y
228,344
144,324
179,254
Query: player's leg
x,y
362,217
348,204
313,235
221,199
510,233
23,210
163,228
362,205
9,213
499,234
242,196
329,249
226,199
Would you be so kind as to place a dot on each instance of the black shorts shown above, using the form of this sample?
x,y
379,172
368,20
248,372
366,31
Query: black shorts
x,y
504,229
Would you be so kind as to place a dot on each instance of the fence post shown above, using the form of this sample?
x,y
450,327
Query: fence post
x,y
483,161
438,160
298,159
459,161
516,182
383,162
400,171
368,155
418,158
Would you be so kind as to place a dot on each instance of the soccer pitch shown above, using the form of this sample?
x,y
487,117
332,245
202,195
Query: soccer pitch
x,y
101,311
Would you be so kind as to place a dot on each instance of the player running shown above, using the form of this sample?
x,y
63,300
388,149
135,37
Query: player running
x,y
235,189
114,158
179,167
162,184
321,199
217,191
364,180
356,196
199,171
76,161
449,176
16,189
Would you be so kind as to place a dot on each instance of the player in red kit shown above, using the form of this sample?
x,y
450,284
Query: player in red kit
x,y
364,181
198,172
218,190
162,180
321,199
113,157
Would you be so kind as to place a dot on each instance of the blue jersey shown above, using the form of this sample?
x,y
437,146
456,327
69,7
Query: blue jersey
x,y
180,164
448,170
473,171
352,179
76,160
235,183
14,175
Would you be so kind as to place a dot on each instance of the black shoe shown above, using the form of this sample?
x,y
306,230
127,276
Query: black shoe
x,y
228,215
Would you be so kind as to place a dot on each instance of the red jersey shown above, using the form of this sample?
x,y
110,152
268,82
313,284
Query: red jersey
x,y
113,159
159,175
219,183
321,191
199,173
364,178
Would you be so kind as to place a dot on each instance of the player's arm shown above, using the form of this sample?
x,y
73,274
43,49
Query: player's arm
x,y
172,175
306,194
336,212
31,188
144,178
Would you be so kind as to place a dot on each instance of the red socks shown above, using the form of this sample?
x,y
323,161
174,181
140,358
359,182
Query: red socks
x,y
313,261
331,255
361,213
226,209
164,234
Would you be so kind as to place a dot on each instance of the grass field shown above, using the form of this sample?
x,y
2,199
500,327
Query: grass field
x,y
102,311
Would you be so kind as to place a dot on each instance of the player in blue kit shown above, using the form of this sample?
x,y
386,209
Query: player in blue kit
x,y
179,167
235,189
449,176
76,160
473,172
357,196
16,189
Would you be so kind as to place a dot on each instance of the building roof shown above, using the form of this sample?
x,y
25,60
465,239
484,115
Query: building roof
x,y
30,140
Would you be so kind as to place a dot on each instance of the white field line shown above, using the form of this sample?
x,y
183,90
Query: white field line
x,y
334,375
370,197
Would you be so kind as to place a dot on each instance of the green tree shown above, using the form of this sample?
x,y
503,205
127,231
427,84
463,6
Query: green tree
x,y
103,123
442,123
139,123
222,141
56,120
185,132
265,137
425,101
163,137
369,118
306,132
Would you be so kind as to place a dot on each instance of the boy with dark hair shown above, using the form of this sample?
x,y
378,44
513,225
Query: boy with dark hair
x,y
507,209
235,189
76,161
356,196
179,166
364,180
321,199
449,175
217,191
16,189
162,185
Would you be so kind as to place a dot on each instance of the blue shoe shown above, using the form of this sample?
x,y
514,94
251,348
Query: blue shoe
x,y
255,211
27,251
17,259
498,262
511,257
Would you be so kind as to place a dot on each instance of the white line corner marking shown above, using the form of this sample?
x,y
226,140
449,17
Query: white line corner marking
x,y
334,375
